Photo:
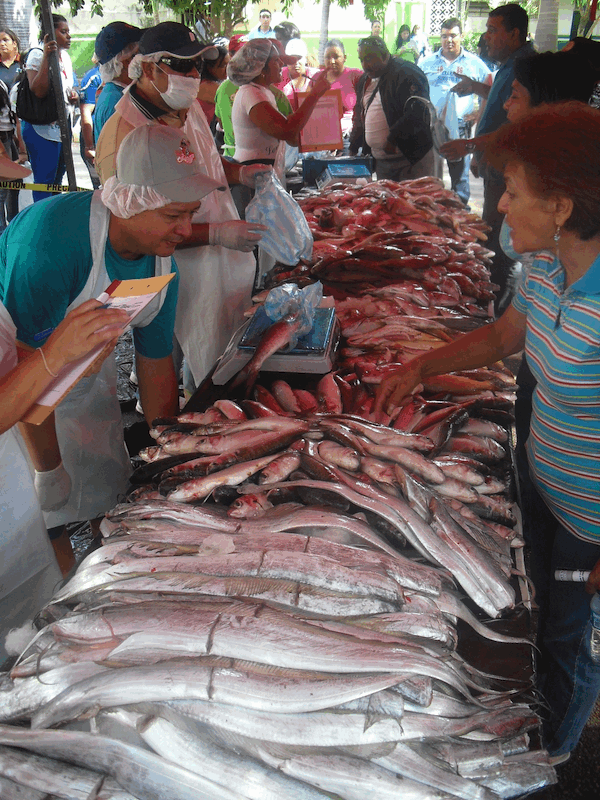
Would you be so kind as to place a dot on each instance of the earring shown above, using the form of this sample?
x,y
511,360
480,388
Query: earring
x,y
557,234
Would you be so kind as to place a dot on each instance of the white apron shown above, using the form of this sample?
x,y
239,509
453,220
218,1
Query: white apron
x,y
28,569
215,283
88,421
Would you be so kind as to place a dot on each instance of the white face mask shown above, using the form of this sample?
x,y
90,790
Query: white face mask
x,y
181,91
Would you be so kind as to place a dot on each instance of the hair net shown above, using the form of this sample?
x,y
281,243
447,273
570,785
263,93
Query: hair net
x,y
112,68
126,200
135,65
249,61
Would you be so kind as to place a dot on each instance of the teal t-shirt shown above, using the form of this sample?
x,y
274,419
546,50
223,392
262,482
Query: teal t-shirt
x,y
45,261
105,106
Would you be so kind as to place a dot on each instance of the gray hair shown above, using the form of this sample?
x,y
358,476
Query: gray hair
x,y
112,69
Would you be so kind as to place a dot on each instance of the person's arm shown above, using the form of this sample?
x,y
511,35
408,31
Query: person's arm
x,y
23,156
468,86
459,148
87,131
481,347
270,121
158,386
76,336
39,80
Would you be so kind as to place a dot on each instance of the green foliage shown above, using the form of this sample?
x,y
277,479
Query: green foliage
x,y
374,9
470,41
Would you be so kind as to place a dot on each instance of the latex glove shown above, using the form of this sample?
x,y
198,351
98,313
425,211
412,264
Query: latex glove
x,y
53,488
235,234
249,172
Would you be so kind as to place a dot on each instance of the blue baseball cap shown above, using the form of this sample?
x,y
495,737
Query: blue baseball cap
x,y
114,38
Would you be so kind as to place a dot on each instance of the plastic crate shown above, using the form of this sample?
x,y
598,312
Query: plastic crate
x,y
313,167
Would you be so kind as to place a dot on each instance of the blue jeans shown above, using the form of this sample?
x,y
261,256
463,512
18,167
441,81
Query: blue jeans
x,y
46,159
567,678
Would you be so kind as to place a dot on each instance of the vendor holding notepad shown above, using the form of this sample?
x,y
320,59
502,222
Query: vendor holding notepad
x,y
58,254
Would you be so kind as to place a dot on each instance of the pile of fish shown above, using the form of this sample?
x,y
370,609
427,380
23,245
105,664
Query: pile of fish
x,y
278,608
299,641
417,231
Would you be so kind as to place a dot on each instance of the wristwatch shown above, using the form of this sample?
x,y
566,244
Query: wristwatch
x,y
470,145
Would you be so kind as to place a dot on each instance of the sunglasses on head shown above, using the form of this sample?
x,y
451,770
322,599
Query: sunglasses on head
x,y
181,65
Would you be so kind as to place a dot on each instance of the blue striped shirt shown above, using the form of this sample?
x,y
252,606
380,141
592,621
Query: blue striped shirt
x,y
563,351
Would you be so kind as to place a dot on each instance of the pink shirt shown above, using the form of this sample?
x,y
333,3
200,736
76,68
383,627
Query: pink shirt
x,y
291,92
346,83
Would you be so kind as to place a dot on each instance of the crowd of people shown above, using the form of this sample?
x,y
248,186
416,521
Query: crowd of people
x,y
177,132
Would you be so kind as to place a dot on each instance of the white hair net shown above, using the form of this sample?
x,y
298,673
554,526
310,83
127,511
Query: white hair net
x,y
112,68
249,61
135,65
126,200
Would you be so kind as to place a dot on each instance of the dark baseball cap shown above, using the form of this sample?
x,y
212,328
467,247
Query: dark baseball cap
x,y
114,38
174,39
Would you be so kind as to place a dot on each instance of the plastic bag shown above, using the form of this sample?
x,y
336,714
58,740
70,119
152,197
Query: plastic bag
x,y
288,300
288,238
450,116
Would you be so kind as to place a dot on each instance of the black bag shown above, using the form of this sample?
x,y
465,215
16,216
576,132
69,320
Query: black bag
x,y
33,109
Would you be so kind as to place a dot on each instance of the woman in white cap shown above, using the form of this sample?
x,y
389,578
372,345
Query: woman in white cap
x,y
299,74
77,244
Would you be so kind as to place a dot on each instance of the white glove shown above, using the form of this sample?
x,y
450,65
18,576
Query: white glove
x,y
53,488
235,234
249,172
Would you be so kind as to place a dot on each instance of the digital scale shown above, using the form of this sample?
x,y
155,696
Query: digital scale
x,y
313,352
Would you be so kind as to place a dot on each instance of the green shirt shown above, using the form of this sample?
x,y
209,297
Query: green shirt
x,y
224,103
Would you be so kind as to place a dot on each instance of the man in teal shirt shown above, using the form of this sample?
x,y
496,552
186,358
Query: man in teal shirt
x,y
64,251
116,44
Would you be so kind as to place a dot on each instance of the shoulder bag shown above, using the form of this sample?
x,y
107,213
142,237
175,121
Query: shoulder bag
x,y
33,109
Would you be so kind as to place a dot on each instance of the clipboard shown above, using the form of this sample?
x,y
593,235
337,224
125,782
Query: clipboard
x,y
323,131
131,296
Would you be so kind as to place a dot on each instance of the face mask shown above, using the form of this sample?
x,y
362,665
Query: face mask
x,y
181,91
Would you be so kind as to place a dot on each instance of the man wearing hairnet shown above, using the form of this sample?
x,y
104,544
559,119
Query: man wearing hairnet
x,y
116,44
217,271
69,249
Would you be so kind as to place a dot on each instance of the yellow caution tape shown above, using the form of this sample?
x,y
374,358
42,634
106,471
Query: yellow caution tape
x,y
39,187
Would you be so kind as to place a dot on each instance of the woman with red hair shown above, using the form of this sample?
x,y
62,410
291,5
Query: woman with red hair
x,y
552,204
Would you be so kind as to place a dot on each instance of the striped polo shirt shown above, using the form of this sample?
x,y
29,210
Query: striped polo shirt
x,y
563,351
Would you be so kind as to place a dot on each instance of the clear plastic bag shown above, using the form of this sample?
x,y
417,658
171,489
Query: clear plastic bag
x,y
288,300
288,238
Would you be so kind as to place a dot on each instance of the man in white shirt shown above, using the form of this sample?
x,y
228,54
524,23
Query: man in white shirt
x,y
264,30
385,123
444,69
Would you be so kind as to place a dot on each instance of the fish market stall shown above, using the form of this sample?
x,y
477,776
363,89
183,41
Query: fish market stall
x,y
298,600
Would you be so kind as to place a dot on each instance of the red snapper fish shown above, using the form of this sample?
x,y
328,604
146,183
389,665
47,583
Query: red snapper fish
x,y
276,337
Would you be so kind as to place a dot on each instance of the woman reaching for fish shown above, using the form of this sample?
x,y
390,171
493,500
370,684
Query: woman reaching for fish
x,y
551,204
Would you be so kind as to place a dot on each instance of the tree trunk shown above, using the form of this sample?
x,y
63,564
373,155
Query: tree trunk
x,y
324,35
546,33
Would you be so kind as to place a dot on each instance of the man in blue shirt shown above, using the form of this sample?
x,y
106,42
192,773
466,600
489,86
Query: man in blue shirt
x,y
90,83
445,69
264,30
506,36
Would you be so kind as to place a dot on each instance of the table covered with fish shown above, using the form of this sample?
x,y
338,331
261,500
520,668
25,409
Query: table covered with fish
x,y
299,600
